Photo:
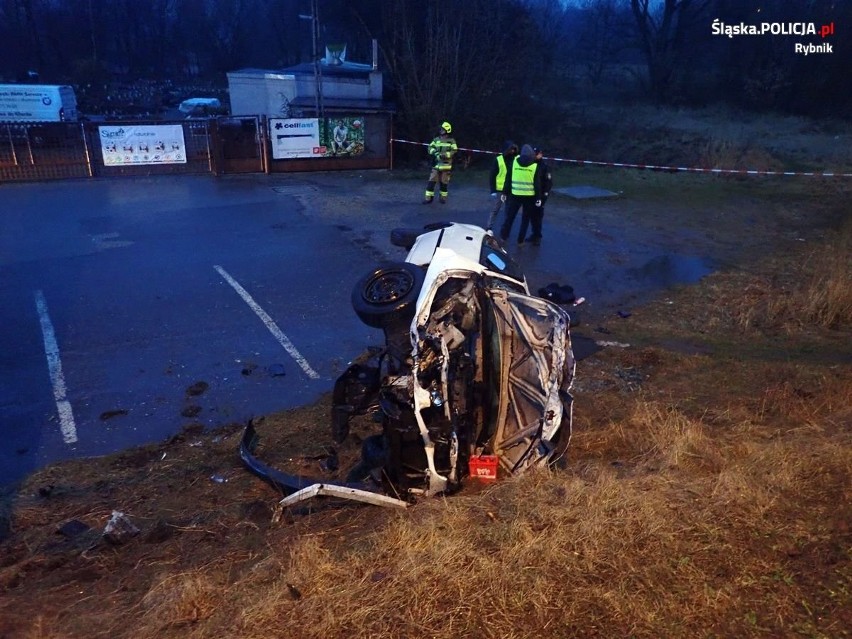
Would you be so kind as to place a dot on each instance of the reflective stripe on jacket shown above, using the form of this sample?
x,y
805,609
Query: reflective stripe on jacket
x,y
523,179
442,149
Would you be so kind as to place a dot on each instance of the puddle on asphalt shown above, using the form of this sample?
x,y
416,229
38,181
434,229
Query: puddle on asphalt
x,y
670,270
603,281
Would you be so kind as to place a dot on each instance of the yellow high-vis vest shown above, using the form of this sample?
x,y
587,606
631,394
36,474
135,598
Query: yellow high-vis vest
x,y
501,172
523,179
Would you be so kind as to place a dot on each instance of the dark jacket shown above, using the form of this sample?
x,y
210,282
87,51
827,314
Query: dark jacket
x,y
510,150
526,158
546,179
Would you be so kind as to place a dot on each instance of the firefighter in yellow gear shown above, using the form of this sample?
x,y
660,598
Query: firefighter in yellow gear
x,y
442,150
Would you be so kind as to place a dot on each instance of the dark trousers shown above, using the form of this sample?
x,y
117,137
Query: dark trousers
x,y
534,219
513,205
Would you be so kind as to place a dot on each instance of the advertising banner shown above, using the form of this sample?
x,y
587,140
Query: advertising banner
x,y
295,138
316,138
142,144
343,137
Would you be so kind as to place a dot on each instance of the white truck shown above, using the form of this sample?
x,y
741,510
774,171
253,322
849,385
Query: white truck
x,y
37,103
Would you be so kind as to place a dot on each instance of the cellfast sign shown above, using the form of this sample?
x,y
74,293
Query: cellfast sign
x,y
295,138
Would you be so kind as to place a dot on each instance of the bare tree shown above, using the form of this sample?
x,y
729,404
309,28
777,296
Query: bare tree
x,y
459,59
601,36
232,31
26,12
283,32
662,28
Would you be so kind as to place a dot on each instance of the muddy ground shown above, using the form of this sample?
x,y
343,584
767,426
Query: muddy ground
x,y
191,500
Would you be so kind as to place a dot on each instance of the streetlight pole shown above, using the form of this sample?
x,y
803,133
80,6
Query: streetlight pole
x,y
318,73
314,18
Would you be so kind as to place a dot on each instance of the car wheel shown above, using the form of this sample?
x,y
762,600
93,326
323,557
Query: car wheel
x,y
387,294
435,226
405,238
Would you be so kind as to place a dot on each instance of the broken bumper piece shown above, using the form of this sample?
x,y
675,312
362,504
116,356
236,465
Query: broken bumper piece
x,y
297,488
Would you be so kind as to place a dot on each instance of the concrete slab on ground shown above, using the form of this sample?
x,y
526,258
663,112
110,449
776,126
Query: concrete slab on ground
x,y
585,192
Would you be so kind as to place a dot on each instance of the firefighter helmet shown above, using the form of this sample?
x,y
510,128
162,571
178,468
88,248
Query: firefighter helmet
x,y
447,127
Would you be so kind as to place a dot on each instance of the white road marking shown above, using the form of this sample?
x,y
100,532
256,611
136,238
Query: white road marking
x,y
277,333
57,378
104,241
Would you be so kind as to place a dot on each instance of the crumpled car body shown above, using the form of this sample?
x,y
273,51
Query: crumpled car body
x,y
472,364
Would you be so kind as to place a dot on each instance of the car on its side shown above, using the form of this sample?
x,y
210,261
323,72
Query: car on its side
x,y
472,365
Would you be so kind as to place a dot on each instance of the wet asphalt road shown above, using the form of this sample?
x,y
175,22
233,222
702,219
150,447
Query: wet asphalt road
x,y
132,308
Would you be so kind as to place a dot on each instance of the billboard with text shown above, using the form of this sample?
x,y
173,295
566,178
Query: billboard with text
x,y
142,144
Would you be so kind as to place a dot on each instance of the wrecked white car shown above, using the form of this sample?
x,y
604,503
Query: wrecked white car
x,y
472,365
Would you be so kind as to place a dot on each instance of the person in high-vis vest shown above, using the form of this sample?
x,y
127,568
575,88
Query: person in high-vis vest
x,y
497,178
442,150
523,189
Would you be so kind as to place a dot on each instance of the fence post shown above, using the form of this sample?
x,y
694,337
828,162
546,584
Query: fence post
x,y
264,146
214,146
12,144
86,150
29,145
390,141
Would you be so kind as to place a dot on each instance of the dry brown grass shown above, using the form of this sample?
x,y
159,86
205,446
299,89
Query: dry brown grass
x,y
732,154
828,291
797,303
182,599
818,293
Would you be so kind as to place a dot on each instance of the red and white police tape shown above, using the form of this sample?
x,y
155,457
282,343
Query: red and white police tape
x,y
654,167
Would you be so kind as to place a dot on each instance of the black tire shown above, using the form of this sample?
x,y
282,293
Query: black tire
x,y
404,238
434,226
387,294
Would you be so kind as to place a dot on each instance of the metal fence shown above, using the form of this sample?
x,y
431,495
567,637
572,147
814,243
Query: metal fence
x,y
56,150
228,144
43,151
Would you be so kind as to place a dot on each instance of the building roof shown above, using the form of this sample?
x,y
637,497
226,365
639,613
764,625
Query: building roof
x,y
267,73
344,104
346,69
